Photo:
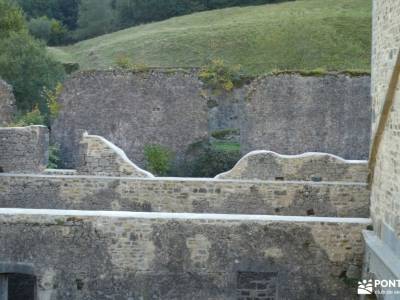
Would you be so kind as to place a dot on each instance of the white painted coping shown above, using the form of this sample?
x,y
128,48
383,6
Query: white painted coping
x,y
177,216
303,155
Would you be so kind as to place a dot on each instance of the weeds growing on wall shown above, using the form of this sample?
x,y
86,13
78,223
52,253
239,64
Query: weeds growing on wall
x,y
219,76
224,134
33,117
54,157
208,159
124,62
51,97
158,159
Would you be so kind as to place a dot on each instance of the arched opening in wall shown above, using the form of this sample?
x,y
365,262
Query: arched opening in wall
x,y
21,287
17,282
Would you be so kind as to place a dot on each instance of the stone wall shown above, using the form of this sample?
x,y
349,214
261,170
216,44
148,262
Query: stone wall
x,y
267,165
131,110
117,255
385,198
7,104
185,195
100,157
291,114
382,257
24,149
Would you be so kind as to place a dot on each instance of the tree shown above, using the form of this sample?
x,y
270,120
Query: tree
x,y
95,17
25,64
49,30
11,19
40,28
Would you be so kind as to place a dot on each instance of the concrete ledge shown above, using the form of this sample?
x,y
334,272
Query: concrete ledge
x,y
179,216
380,259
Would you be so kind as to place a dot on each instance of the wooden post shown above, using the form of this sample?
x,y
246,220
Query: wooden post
x,y
3,287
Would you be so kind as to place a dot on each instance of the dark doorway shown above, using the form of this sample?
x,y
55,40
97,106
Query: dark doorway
x,y
21,286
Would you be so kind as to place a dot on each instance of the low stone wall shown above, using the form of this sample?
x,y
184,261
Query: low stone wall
x,y
184,195
182,256
7,104
24,149
100,157
268,165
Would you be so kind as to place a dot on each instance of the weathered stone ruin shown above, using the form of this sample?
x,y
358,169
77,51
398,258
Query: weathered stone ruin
x,y
274,227
23,149
289,114
160,236
382,259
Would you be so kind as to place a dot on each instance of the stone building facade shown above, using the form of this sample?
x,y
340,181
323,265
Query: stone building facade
x,y
383,247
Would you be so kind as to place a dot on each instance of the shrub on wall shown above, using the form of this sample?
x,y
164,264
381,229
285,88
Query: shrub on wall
x,y
54,157
205,159
158,159
219,76
51,97
33,117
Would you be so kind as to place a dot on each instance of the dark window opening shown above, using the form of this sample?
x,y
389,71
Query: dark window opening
x,y
21,286
1,170
257,285
280,178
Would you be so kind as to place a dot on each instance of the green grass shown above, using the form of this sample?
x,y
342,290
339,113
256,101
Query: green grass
x,y
226,146
302,35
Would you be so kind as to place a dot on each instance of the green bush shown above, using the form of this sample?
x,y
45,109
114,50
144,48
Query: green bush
x,y
54,157
209,159
219,76
224,133
26,65
70,67
158,159
11,19
51,97
123,61
33,117
40,28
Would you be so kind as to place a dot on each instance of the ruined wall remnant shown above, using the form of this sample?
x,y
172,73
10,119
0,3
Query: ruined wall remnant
x,y
291,114
268,165
382,246
288,114
7,104
185,195
125,255
100,157
131,110
24,149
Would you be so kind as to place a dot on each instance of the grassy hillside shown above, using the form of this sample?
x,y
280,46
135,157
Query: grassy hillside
x,y
306,34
